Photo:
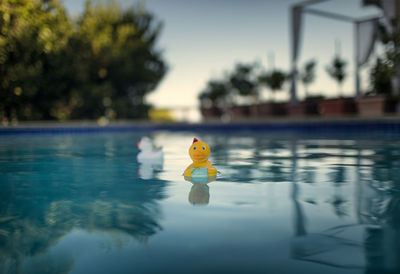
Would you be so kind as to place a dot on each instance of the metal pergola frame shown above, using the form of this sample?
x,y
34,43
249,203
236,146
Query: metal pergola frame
x,y
303,7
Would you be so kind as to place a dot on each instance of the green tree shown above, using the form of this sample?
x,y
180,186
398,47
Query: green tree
x,y
215,94
124,60
307,75
337,71
53,68
31,32
274,80
380,78
390,37
242,80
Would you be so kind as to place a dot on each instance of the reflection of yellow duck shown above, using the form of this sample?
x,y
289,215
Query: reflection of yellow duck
x,y
199,194
201,167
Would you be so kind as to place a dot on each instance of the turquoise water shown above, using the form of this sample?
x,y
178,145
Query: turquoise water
x,y
281,204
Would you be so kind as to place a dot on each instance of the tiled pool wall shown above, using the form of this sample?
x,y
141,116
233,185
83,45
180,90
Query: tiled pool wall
x,y
337,126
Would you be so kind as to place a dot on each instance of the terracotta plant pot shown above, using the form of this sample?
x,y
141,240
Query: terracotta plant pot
x,y
279,109
297,109
211,113
264,109
271,109
239,112
312,105
375,106
305,108
338,107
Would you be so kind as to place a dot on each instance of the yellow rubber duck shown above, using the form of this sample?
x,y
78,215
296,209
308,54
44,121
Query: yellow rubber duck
x,y
201,167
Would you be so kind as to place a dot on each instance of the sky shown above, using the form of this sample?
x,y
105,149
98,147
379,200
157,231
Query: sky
x,y
203,40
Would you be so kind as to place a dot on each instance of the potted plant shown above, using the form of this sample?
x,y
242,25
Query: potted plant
x,y
338,106
310,105
213,99
378,100
389,34
385,74
308,75
274,81
242,82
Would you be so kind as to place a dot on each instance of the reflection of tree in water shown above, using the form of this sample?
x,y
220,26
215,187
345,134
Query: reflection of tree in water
x,y
338,202
41,202
392,214
255,165
382,240
277,173
219,150
308,175
339,205
378,210
381,207
326,247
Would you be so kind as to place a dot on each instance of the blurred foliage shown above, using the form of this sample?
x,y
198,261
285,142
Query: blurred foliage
x,y
307,75
274,80
244,80
390,37
241,80
101,64
372,2
380,78
214,94
337,70
92,201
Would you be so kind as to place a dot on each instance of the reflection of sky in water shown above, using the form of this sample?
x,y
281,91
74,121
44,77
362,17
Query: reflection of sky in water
x,y
82,204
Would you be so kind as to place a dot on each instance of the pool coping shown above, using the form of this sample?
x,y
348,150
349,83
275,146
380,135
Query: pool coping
x,y
347,124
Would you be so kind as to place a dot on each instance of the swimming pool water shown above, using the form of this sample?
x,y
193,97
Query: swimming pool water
x,y
81,203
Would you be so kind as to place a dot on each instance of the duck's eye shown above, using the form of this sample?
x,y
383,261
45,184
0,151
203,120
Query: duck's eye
x,y
194,148
204,148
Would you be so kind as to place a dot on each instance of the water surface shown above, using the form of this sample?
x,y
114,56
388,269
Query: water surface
x,y
281,204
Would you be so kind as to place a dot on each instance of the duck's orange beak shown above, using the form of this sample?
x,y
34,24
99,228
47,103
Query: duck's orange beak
x,y
198,155
137,144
